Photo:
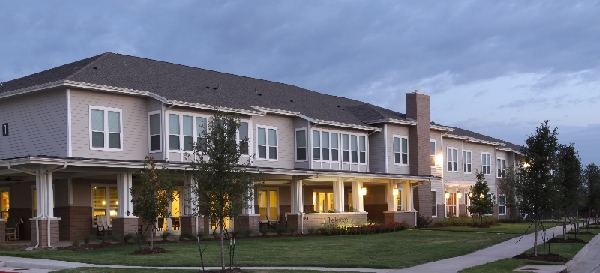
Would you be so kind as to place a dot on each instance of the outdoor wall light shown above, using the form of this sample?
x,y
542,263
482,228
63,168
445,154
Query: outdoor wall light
x,y
103,202
363,191
459,195
395,192
438,159
447,195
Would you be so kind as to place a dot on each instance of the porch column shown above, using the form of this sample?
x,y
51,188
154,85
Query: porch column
x,y
338,195
410,198
297,193
191,221
357,197
390,197
250,205
248,219
44,227
124,183
125,222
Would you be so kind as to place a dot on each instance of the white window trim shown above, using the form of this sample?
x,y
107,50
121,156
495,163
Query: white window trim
x,y
498,166
434,202
339,149
106,132
402,197
267,142
107,186
503,205
434,152
401,152
160,132
447,153
482,169
465,161
268,200
296,144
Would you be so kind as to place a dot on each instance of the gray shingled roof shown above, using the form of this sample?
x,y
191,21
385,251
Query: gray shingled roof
x,y
196,85
466,133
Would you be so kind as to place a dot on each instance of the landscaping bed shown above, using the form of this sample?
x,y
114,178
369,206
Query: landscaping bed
x,y
549,257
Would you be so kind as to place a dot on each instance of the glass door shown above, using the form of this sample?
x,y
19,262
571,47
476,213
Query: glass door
x,y
268,205
451,203
5,203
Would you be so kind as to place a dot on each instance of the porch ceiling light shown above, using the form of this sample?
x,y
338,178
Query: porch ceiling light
x,y
103,202
447,195
363,191
459,195
395,192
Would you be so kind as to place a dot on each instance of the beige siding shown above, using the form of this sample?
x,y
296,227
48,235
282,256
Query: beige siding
x,y
155,105
398,130
285,141
37,125
134,119
377,151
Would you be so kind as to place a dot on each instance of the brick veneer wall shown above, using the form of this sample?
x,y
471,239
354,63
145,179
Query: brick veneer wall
x,y
43,231
122,226
247,221
417,108
401,217
423,200
76,222
188,224
2,231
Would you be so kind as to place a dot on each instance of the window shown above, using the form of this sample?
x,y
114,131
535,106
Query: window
x,y
268,205
316,154
241,135
501,167
432,152
401,150
433,204
452,159
362,149
4,203
345,148
301,145
188,133
174,132
467,161
201,130
105,128
399,201
486,163
154,124
502,204
325,145
267,143
104,202
334,147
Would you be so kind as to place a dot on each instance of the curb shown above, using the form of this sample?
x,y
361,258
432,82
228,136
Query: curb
x,y
582,252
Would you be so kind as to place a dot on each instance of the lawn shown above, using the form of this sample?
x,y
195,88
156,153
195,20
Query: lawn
x,y
508,265
389,250
144,270
509,228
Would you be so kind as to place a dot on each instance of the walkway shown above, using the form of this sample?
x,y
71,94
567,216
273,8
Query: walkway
x,y
586,261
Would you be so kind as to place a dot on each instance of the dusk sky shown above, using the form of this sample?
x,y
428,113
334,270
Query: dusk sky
x,y
499,68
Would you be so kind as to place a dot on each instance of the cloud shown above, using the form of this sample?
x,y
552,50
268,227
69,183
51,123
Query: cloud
x,y
524,103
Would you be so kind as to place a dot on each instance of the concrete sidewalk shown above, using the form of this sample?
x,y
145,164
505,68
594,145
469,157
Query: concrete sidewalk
x,y
587,260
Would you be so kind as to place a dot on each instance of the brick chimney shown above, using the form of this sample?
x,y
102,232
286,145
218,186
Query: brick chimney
x,y
417,108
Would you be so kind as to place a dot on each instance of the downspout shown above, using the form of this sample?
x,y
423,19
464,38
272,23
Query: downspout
x,y
385,147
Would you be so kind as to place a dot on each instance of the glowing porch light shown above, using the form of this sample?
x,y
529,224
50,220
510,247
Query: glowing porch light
x,y
459,195
363,191
447,195
438,159
395,192
103,202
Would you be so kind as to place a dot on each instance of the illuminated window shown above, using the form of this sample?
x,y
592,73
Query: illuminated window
x,y
5,203
105,201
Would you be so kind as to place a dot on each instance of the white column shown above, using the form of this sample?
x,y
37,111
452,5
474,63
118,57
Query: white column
x,y
407,198
338,195
124,184
297,196
44,194
389,196
357,198
250,205
49,196
189,196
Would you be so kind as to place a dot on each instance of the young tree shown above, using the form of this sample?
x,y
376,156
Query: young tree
x,y
507,186
592,185
481,200
223,186
568,182
151,200
536,191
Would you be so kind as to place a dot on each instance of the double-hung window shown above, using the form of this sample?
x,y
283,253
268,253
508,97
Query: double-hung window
x,y
433,204
345,148
354,148
467,163
334,147
316,154
325,146
502,204
241,135
174,132
452,158
486,167
154,124
300,144
500,166
362,149
401,150
188,133
106,131
432,153
201,131
267,142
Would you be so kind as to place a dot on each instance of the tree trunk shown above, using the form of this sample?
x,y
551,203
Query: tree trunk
x,y
221,222
535,252
565,226
152,236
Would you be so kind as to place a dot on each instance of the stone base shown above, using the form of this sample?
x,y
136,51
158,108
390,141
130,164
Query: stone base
x,y
247,221
76,222
409,217
188,224
122,226
42,232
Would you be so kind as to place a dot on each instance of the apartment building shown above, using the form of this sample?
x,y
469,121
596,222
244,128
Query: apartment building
x,y
75,137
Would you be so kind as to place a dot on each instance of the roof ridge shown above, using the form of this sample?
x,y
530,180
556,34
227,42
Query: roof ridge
x,y
103,55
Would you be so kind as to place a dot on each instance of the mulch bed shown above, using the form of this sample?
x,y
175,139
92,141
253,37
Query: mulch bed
x,y
580,233
147,251
233,270
567,241
551,257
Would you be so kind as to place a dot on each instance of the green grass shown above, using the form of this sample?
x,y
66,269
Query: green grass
x,y
509,228
145,270
390,250
508,265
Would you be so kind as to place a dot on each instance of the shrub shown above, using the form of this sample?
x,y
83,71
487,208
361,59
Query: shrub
x,y
187,236
88,238
165,235
241,232
130,237
423,221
